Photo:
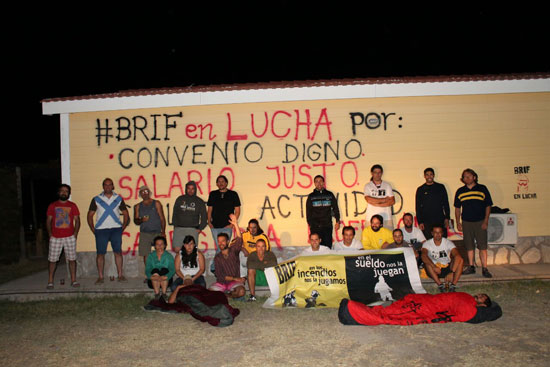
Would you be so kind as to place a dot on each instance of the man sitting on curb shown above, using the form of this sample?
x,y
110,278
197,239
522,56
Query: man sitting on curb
x,y
315,246
348,243
226,262
375,236
442,260
257,262
398,242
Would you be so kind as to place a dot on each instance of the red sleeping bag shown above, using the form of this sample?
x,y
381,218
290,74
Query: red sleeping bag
x,y
412,309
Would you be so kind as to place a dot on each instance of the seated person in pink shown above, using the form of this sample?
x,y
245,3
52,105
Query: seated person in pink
x,y
227,264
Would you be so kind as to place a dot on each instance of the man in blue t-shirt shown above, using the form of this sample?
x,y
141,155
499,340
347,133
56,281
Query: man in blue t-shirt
x,y
472,209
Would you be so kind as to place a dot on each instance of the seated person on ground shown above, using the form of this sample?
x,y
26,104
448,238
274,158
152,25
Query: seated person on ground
x,y
189,264
399,242
421,309
442,260
315,247
159,268
375,236
226,262
412,234
250,237
257,262
349,242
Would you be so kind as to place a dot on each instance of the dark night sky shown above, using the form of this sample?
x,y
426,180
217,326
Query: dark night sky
x,y
67,51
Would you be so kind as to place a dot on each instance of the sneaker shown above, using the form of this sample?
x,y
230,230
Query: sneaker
x,y
252,298
452,288
486,273
469,270
49,286
441,288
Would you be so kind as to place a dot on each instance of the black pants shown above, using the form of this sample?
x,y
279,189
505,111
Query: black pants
x,y
162,271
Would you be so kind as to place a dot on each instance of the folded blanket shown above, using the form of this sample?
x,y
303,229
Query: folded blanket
x,y
203,304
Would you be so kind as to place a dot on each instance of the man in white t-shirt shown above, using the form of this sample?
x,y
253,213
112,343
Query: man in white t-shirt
x,y
315,246
379,197
412,234
349,242
442,260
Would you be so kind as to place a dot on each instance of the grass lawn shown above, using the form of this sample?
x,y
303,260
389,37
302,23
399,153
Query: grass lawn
x,y
115,331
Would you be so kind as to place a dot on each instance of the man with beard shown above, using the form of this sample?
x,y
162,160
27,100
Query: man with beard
x,y
149,216
398,242
472,210
412,234
375,236
63,224
432,205
221,204
189,217
228,279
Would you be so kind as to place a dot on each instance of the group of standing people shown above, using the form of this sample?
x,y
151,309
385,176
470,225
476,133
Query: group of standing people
x,y
434,251
191,215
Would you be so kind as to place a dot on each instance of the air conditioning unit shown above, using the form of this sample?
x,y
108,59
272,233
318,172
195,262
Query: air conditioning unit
x,y
503,229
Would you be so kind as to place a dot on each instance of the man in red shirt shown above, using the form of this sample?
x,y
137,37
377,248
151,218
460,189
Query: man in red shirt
x,y
62,223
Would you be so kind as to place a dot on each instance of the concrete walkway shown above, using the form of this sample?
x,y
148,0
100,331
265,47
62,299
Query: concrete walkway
x,y
33,287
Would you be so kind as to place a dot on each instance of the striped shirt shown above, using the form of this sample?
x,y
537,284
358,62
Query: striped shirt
x,y
473,202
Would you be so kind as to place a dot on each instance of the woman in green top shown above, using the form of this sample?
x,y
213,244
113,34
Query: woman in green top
x,y
159,268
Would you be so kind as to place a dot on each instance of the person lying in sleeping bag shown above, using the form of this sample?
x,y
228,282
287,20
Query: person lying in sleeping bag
x,y
422,309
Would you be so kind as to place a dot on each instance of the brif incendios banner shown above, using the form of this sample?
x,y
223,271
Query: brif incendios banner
x,y
364,276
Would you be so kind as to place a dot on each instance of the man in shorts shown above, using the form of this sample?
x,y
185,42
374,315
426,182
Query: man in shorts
x,y
108,227
472,210
228,278
149,216
442,260
257,262
63,224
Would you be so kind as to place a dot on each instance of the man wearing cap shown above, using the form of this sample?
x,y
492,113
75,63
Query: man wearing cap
x,y
108,227
149,216
189,216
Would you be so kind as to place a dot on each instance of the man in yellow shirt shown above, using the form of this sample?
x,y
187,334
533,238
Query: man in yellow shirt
x,y
375,236
250,238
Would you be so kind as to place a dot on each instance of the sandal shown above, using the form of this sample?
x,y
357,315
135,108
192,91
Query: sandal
x,y
49,286
75,284
99,281
122,279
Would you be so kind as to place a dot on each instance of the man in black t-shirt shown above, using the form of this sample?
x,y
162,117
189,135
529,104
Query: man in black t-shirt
x,y
432,205
222,203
